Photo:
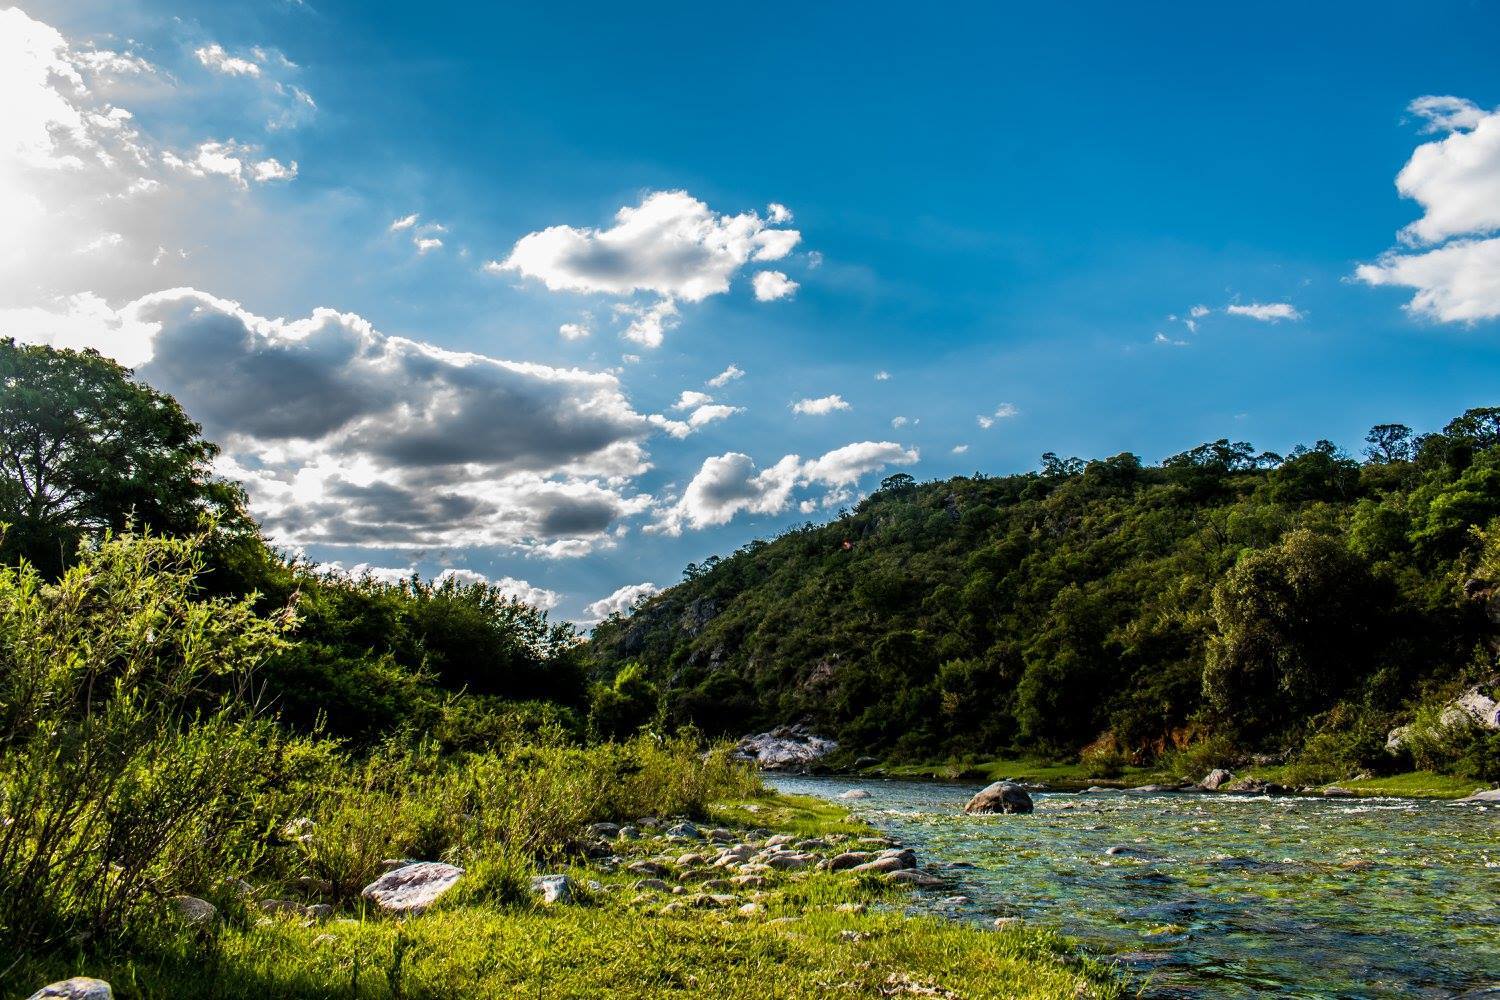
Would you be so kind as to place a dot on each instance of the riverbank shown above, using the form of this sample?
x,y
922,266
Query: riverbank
x,y
652,910
1076,777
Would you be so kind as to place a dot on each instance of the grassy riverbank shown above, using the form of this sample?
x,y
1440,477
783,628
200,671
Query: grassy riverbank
x,y
808,934
1071,776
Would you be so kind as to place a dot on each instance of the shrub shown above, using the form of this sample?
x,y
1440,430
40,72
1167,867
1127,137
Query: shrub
x,y
128,745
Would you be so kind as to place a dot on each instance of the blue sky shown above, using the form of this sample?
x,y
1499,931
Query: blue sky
x,y
1011,211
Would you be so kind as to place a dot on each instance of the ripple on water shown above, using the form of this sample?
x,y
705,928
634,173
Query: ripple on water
x,y
1224,896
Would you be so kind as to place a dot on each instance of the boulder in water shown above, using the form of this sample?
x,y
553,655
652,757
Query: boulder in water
x,y
1216,778
1000,797
1483,795
855,793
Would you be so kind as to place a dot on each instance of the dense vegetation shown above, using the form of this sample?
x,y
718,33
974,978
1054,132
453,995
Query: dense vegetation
x,y
188,717
1227,602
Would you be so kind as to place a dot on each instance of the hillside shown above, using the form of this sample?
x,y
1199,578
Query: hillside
x,y
1294,605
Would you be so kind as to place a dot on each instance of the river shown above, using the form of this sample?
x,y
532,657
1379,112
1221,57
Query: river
x,y
1222,895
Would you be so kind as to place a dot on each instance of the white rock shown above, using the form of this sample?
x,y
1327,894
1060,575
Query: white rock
x,y
77,988
784,748
413,888
554,888
855,793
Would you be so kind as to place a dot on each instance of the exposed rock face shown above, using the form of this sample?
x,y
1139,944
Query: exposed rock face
x,y
413,888
1216,778
1001,797
785,748
77,988
1478,706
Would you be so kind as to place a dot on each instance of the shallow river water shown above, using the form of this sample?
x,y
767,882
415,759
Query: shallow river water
x,y
1226,896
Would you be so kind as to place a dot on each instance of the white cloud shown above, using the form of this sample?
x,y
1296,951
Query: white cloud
x,y
1002,412
959,449
1198,312
518,590
731,484
231,160
104,241
821,406
648,323
405,222
215,58
426,243
899,422
1458,282
573,331
705,411
708,414
882,376
621,601
773,285
726,376
1265,312
1163,340
691,398
272,169
778,214
670,246
380,574
1456,181
424,235
346,436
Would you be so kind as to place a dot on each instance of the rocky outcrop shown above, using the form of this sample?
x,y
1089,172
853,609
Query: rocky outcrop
x,y
77,988
1479,706
1000,797
412,888
785,748
1216,779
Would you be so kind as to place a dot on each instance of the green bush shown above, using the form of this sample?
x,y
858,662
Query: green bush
x,y
128,744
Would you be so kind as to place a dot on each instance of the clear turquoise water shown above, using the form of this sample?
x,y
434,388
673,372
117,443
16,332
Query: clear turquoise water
x,y
1233,896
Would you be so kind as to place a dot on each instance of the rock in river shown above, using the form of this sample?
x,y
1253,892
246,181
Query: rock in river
x,y
785,748
855,793
1216,778
413,888
1001,797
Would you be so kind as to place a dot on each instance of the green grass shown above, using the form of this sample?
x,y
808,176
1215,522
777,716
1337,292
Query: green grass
x,y
1417,784
613,951
1063,775
617,942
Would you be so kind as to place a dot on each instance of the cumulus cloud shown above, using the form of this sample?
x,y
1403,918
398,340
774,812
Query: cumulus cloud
x,y
821,406
282,103
882,376
1265,312
899,422
573,331
778,213
346,436
704,411
691,398
1002,412
959,449
516,590
726,376
671,246
773,285
1449,255
621,601
424,235
731,484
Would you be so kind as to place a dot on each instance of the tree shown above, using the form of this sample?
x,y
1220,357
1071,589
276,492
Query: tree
x,y
1389,443
85,449
1293,625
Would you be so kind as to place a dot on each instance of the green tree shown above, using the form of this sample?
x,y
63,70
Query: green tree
x,y
85,449
1293,626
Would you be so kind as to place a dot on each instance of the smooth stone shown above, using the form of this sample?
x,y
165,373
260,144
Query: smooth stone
x,y
855,793
911,876
1215,778
1483,795
280,907
554,888
1000,797
195,911
413,888
684,831
77,988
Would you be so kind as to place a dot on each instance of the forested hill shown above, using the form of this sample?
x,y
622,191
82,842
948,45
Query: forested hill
x,y
1305,603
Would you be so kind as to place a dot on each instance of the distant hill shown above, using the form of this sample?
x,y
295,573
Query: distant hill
x,y
1259,600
